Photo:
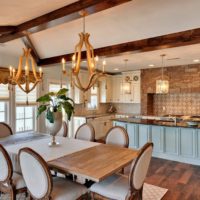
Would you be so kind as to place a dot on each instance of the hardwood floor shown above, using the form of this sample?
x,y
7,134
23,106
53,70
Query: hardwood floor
x,y
181,180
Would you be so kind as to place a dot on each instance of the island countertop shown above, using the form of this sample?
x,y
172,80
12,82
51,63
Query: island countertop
x,y
155,122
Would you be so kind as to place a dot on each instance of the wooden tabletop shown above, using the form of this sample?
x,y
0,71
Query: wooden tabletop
x,y
95,163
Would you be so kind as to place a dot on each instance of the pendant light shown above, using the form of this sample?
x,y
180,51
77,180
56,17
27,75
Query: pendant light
x,y
162,86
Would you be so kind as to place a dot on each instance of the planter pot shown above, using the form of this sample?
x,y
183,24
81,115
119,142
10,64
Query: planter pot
x,y
53,128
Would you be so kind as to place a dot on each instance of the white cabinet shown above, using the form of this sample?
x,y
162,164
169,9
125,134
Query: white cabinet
x,y
117,89
79,96
105,86
77,122
101,125
126,87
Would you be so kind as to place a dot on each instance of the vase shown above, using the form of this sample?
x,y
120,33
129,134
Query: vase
x,y
53,128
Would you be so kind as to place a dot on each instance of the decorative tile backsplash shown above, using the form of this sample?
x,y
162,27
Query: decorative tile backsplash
x,y
176,104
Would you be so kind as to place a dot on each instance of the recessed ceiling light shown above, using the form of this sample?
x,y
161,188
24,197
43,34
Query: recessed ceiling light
x,y
151,65
116,69
196,60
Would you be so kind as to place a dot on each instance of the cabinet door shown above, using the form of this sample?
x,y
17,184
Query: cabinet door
x,y
171,140
122,124
157,138
143,134
132,130
187,142
77,122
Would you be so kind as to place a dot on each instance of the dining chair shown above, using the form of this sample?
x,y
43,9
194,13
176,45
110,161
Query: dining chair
x,y
10,182
40,183
5,130
117,135
64,130
121,187
85,132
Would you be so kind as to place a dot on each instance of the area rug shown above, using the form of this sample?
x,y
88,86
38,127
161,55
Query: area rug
x,y
150,192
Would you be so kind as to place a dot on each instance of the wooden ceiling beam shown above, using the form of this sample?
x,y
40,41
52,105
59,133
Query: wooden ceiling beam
x,y
60,16
179,39
7,29
29,45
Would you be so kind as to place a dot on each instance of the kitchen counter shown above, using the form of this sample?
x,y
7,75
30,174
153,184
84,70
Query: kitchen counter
x,y
155,122
178,142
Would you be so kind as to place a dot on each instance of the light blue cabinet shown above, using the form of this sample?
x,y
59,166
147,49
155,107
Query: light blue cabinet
x,y
171,140
173,143
144,134
186,142
122,124
132,130
157,137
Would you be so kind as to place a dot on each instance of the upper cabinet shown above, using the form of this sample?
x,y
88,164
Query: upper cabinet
x,y
126,87
79,96
123,88
105,86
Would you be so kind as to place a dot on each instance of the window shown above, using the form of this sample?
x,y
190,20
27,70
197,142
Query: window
x,y
25,114
3,111
25,118
93,102
54,87
4,98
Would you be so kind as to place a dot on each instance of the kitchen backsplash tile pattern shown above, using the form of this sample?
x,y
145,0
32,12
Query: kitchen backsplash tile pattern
x,y
176,104
80,109
184,82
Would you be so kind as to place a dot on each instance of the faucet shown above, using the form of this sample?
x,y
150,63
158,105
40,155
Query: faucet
x,y
175,120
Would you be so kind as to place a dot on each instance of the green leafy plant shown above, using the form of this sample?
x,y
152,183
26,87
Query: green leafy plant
x,y
55,102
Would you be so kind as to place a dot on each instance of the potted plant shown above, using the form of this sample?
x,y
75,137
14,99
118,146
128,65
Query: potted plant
x,y
53,103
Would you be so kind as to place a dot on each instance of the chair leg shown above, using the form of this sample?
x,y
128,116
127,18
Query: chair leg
x,y
140,193
92,195
13,195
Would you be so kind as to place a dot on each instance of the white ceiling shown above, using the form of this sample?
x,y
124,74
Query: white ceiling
x,y
138,19
14,12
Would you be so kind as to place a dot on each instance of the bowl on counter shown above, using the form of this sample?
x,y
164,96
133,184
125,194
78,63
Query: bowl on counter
x,y
192,123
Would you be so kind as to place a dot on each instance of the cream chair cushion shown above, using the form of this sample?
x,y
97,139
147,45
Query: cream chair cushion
x,y
4,130
141,168
34,175
85,132
17,181
114,187
3,167
117,136
64,189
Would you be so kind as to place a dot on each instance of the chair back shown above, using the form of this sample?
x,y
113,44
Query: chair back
x,y
64,130
5,130
140,167
6,169
36,174
117,136
85,132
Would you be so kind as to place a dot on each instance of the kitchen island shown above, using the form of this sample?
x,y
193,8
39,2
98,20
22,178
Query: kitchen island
x,y
173,141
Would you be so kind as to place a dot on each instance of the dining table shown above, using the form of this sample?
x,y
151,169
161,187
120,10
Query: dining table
x,y
91,160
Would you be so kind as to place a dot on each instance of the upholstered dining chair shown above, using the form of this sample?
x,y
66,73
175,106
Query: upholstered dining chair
x,y
10,182
85,132
64,130
119,186
117,135
40,183
5,130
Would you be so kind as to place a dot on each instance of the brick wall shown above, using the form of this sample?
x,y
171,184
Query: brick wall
x,y
182,80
